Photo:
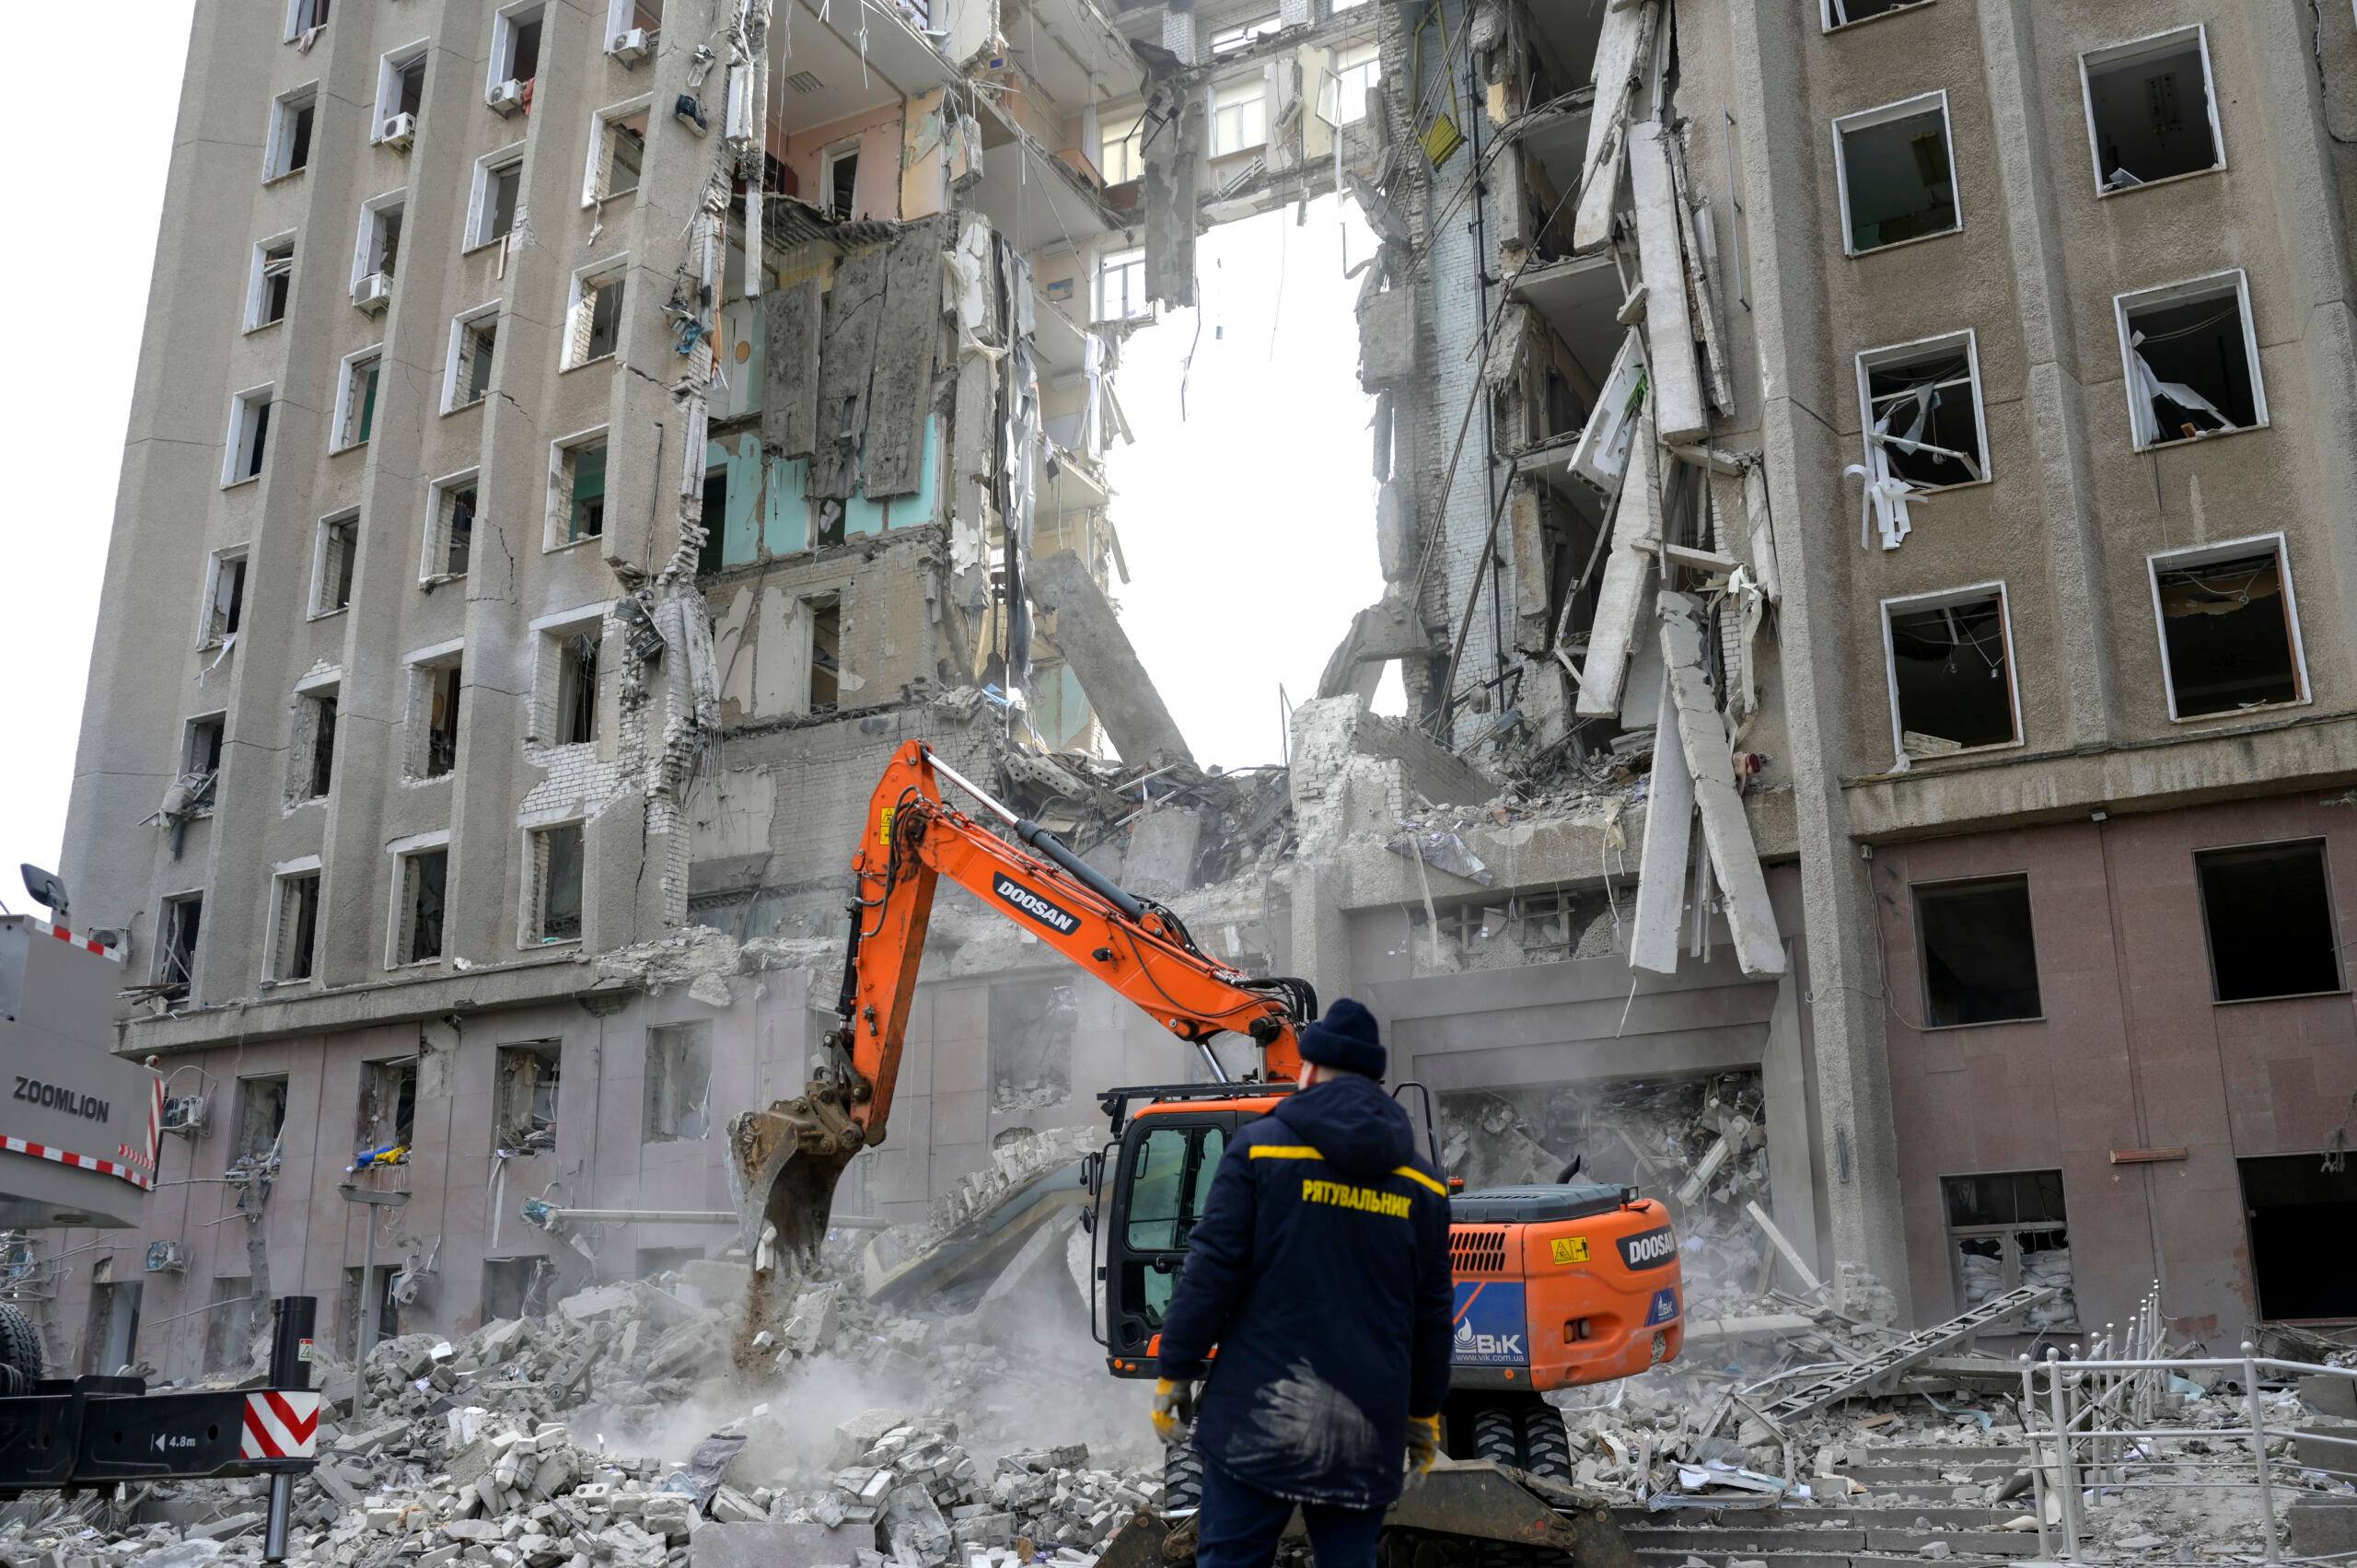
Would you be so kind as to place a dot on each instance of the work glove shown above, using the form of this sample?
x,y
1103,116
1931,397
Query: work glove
x,y
1423,1448
1174,1410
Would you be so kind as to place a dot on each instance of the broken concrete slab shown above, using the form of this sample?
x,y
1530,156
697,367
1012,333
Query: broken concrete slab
x,y
1175,144
1088,633
1675,396
1628,575
1623,48
1727,831
790,368
1160,858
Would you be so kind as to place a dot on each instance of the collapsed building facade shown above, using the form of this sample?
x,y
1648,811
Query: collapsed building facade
x,y
486,840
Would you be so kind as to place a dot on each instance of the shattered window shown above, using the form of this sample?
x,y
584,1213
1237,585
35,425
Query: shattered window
x,y
297,926
2268,909
338,556
317,743
302,16
262,1114
176,953
581,477
2229,636
556,884
576,686
249,436
826,653
2006,1231
356,412
425,879
525,1091
2192,361
450,545
1842,13
401,88
1032,1027
842,183
274,279
290,133
387,1117
1895,182
1241,36
474,339
597,320
1951,673
679,1082
224,597
499,180
621,154
438,710
202,753
1357,67
2150,110
515,45
1924,413
1980,961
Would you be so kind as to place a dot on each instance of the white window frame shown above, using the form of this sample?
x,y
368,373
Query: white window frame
x,y
212,565
311,688
2191,289
549,633
1240,35
1883,114
389,66
1132,140
257,282
241,409
620,19
320,610
586,280
528,922
1907,603
418,665
601,129
1249,109
479,199
559,508
460,325
401,850
827,158
279,144
1873,359
2226,550
280,874
2094,60
1369,62
156,974
431,560
1833,22
504,23
294,27
363,246
1130,259
345,387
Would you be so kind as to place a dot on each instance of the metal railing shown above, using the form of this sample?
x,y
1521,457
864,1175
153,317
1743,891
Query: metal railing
x,y
2106,1414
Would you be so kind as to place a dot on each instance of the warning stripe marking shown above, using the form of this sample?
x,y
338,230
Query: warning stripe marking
x,y
280,1426
137,1177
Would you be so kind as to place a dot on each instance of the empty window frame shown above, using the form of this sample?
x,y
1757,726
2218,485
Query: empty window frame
x,y
825,616
617,152
313,773
421,893
1120,288
524,1096
577,489
178,926
249,436
1355,69
2230,628
2006,1230
552,862
334,560
514,46
1896,179
624,16
355,398
1120,148
1842,13
201,743
387,1114
1977,951
564,679
1951,669
401,91
1239,115
292,116
2152,111
498,190
679,1082
474,345
1241,35
262,1114
2268,909
376,250
449,527
1923,418
304,16
839,180
593,315
224,597
437,684
2189,352
2291,1203
273,282
294,923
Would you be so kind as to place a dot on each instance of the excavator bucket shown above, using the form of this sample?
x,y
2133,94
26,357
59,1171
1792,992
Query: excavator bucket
x,y
784,1164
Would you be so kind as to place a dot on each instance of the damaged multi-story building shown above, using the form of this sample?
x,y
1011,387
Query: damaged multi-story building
x,y
1844,470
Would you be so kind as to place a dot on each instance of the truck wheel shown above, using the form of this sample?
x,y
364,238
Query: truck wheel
x,y
1493,1437
1183,1480
20,1357
1546,1447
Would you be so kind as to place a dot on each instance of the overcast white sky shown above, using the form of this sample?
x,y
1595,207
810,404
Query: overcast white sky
x,y
1247,525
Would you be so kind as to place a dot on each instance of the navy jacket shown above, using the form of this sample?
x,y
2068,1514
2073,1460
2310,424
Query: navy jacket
x,y
1319,1268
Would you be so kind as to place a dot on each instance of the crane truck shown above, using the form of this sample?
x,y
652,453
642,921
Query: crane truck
x,y
1557,1285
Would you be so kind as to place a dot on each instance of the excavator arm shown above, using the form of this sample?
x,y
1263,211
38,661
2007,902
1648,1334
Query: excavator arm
x,y
789,1158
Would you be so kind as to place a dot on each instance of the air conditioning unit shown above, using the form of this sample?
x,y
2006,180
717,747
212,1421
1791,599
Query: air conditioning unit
x,y
374,293
398,133
184,1114
507,97
167,1258
631,47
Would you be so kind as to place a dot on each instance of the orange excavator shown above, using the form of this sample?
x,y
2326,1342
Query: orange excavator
x,y
1557,1285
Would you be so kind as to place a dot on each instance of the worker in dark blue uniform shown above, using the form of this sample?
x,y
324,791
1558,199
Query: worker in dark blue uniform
x,y
1319,1268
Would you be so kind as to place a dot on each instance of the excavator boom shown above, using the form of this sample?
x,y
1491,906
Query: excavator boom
x,y
789,1158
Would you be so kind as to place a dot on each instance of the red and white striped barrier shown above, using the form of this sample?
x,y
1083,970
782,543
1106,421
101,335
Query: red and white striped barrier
x,y
124,1171
280,1426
